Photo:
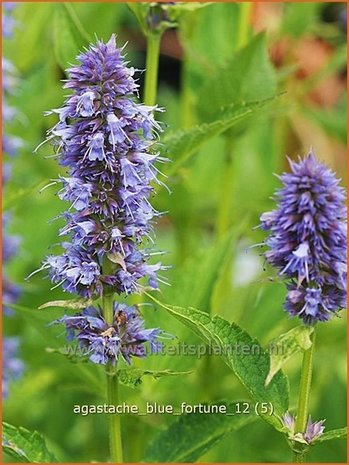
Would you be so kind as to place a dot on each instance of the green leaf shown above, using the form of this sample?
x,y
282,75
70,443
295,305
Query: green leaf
x,y
242,354
69,35
188,438
25,446
282,348
340,433
140,10
14,198
133,377
74,354
182,144
73,303
208,266
249,75
332,121
298,18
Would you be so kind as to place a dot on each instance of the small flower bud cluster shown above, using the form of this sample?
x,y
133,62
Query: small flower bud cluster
x,y
312,432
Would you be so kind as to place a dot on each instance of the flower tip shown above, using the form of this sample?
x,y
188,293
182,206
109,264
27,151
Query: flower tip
x,y
111,44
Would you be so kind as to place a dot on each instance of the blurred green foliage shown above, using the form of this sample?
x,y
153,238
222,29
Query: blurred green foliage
x,y
218,276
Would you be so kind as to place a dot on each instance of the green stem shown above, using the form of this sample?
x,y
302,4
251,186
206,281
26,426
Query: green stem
x,y
303,396
108,310
225,204
115,442
224,208
152,67
244,24
114,419
298,457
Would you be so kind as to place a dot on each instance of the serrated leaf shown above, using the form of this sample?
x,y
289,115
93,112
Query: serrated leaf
x,y
340,433
249,75
286,345
251,367
25,446
73,304
133,377
188,438
182,144
69,35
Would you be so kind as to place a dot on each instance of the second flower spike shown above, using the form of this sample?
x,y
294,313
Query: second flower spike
x,y
307,240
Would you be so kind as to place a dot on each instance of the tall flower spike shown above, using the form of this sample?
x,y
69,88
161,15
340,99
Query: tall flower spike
x,y
307,240
105,139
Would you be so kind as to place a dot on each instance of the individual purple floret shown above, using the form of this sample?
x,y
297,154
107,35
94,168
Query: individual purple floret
x,y
104,343
307,240
12,367
106,140
313,430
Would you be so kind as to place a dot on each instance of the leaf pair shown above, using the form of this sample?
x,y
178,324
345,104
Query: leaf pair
x,y
192,435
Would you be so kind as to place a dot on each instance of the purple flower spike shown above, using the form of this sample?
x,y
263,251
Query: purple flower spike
x,y
10,145
8,22
105,343
12,366
105,139
307,240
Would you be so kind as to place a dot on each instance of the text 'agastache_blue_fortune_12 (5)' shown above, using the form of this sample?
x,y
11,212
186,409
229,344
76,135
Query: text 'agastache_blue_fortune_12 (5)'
x,y
307,240
106,140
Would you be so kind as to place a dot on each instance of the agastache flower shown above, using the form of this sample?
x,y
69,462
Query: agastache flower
x,y
10,145
106,142
8,22
13,367
312,432
105,139
103,343
307,240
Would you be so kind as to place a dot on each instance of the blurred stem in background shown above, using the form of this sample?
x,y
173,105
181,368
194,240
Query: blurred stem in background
x,y
303,397
225,204
224,207
244,24
152,68
183,218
